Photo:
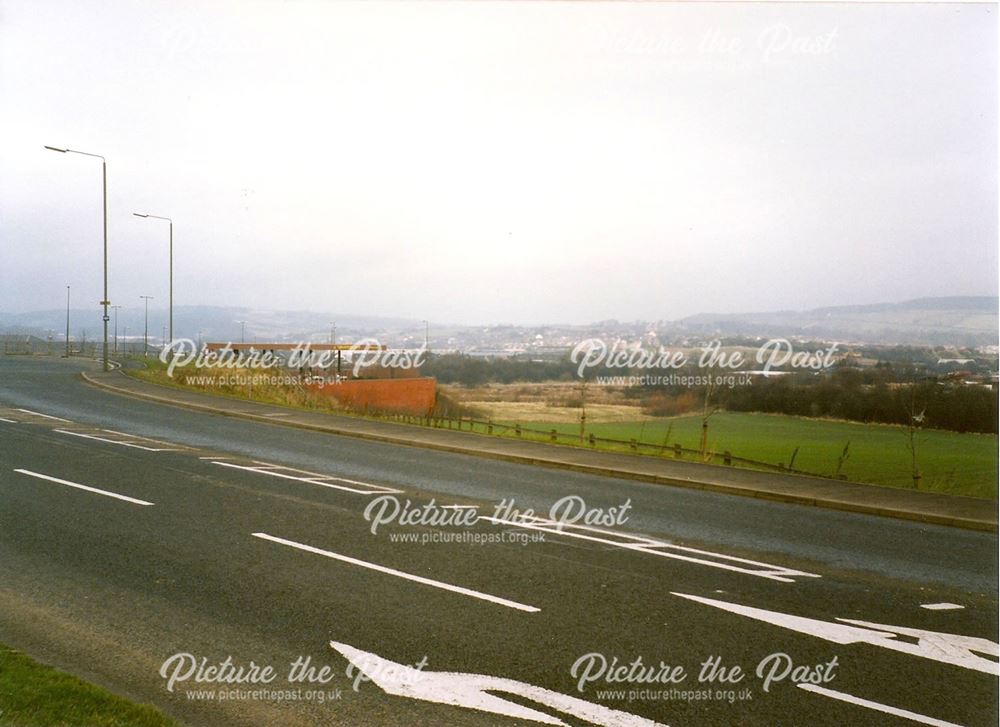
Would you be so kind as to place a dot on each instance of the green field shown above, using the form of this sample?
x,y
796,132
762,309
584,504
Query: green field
x,y
961,464
33,695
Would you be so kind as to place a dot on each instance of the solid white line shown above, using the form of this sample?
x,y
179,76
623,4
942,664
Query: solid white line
x,y
144,439
313,478
400,574
84,487
9,421
112,441
895,711
47,416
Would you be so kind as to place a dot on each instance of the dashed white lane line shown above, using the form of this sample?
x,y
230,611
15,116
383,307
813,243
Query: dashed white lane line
x,y
115,441
46,416
941,606
643,544
312,478
87,488
895,711
400,574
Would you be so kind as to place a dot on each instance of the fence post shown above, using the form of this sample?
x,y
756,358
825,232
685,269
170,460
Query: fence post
x,y
553,435
677,451
593,440
727,457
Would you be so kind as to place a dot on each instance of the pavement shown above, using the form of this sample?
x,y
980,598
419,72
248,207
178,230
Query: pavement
x,y
142,543
930,507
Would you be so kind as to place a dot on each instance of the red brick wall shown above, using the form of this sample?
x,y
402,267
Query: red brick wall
x,y
396,396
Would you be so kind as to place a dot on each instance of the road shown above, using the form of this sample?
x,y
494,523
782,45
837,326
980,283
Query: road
x,y
131,532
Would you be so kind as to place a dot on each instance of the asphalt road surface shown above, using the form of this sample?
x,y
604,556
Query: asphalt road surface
x,y
190,560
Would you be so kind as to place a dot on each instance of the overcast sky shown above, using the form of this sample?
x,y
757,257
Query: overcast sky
x,y
487,163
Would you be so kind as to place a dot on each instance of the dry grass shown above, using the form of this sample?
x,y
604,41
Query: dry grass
x,y
552,393
535,411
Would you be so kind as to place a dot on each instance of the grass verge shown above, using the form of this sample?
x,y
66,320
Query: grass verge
x,y
35,695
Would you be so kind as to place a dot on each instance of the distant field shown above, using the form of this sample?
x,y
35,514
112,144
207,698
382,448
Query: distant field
x,y
961,464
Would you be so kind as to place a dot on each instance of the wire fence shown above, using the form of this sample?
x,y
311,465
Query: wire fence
x,y
662,450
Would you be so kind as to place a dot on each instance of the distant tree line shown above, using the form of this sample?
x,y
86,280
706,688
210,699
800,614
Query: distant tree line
x,y
884,393
939,404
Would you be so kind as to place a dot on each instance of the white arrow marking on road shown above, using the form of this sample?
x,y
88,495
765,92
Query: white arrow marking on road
x,y
472,692
895,711
952,649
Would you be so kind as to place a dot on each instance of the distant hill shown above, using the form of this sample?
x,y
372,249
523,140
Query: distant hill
x,y
960,321
970,321
211,323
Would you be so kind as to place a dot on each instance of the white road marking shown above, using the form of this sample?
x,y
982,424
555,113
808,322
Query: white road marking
x,y
312,478
946,648
895,711
479,692
644,544
941,606
146,439
84,487
115,441
47,416
9,421
400,574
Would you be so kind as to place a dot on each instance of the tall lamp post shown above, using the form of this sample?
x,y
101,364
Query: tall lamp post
x,y
157,217
145,330
104,182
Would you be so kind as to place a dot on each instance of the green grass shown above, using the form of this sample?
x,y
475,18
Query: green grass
x,y
962,464
34,695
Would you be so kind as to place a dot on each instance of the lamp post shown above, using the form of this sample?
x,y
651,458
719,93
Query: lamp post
x,y
104,182
333,332
157,217
67,321
145,331
243,331
116,307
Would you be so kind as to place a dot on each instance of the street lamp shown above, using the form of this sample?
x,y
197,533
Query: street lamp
x,y
243,331
157,217
145,331
333,332
104,182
